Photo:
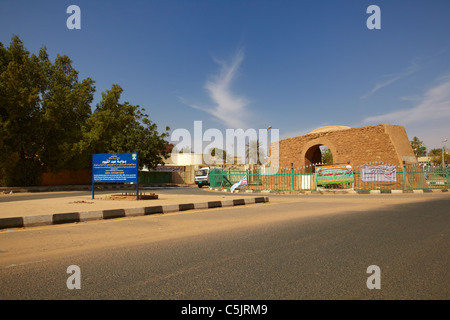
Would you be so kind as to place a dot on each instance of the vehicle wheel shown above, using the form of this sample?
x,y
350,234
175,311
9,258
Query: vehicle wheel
x,y
199,185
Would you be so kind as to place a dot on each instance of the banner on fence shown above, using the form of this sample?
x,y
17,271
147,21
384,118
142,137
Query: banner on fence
x,y
378,173
241,183
334,174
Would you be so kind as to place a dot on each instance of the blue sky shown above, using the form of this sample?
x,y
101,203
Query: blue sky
x,y
295,65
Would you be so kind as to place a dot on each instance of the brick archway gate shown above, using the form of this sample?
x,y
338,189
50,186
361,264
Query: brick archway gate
x,y
387,143
312,154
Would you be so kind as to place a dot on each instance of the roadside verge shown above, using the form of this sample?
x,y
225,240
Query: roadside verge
x,y
83,216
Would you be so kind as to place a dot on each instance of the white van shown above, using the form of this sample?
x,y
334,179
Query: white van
x,y
202,176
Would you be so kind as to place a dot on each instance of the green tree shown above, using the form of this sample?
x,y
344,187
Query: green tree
x,y
122,127
327,156
65,110
255,153
219,156
42,109
21,80
418,147
46,120
436,156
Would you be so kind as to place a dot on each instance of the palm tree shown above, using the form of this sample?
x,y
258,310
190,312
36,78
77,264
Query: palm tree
x,y
418,147
255,153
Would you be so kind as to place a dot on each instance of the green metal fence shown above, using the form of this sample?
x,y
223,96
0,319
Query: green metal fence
x,y
152,177
258,179
410,177
372,176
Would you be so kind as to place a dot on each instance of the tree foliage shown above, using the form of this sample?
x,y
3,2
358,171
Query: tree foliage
x,y
218,156
255,153
122,127
418,147
326,156
436,156
47,123
21,79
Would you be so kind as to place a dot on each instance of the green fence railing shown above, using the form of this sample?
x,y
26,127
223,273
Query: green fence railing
x,y
373,176
152,177
410,177
285,179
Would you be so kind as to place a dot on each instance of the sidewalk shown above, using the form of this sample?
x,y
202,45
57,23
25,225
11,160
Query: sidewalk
x,y
27,209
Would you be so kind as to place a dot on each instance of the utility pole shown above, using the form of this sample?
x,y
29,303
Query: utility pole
x,y
443,152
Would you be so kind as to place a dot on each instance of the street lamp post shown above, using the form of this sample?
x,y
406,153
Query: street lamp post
x,y
269,141
443,152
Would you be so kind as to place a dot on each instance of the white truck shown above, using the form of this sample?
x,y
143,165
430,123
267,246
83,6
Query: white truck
x,y
202,177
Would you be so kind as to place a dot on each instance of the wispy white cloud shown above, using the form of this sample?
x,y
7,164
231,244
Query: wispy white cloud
x,y
411,98
391,78
228,107
435,104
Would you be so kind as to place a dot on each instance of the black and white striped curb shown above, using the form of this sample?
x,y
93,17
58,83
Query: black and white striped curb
x,y
339,191
71,217
402,191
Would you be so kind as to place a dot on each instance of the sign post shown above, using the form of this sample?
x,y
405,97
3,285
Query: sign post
x,y
115,167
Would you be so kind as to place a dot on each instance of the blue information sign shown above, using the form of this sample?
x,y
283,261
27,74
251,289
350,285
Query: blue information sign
x,y
115,167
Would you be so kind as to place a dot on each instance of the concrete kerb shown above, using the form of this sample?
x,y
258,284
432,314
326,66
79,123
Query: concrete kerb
x,y
91,215
73,217
34,221
331,191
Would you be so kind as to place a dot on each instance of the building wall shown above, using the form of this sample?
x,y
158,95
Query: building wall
x,y
67,177
381,143
185,177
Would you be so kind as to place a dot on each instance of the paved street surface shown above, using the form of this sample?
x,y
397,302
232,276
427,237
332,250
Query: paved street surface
x,y
294,247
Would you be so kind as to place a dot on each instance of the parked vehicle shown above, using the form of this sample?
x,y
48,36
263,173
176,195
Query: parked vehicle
x,y
202,177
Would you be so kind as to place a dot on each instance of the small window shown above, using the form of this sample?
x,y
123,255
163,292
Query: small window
x,y
203,172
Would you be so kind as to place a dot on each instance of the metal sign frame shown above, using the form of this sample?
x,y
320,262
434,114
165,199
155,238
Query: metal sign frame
x,y
115,167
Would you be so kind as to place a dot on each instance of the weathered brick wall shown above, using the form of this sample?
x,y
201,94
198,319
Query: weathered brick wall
x,y
381,143
67,177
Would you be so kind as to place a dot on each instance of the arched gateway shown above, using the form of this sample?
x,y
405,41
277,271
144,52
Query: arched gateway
x,y
382,143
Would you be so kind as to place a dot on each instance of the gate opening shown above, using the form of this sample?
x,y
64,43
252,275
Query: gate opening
x,y
318,154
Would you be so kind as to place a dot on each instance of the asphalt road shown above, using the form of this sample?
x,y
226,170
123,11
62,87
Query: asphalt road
x,y
291,250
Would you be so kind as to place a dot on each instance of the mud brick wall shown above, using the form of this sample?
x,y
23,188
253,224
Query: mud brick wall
x,y
67,177
381,143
